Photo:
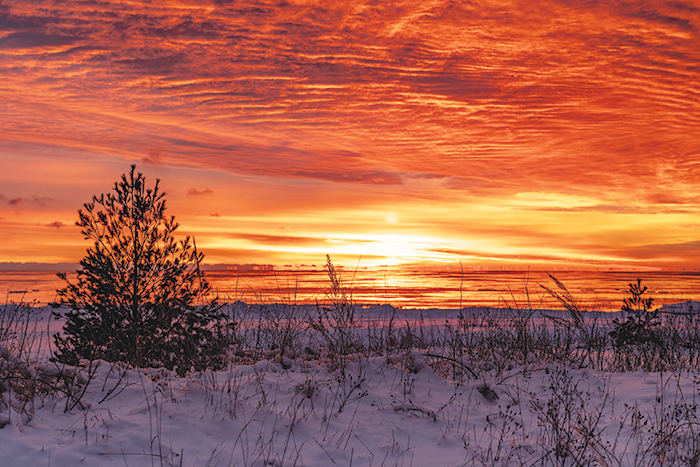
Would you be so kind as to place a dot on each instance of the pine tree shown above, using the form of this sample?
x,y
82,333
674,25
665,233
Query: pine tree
x,y
140,296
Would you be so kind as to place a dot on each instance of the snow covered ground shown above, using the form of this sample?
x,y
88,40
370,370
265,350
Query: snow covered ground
x,y
408,406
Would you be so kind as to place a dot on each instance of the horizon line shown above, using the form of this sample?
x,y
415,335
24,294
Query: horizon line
x,y
22,266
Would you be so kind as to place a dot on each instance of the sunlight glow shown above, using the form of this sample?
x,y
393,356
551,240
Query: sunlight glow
x,y
409,133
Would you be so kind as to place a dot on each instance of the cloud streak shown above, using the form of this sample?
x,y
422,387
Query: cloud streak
x,y
197,192
455,102
549,98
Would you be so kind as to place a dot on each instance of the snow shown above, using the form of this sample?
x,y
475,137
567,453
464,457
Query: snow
x,y
398,409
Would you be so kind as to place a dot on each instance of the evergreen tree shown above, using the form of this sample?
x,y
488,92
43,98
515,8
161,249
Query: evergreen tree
x,y
140,296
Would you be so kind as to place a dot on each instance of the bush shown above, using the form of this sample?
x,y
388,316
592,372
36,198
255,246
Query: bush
x,y
641,327
140,296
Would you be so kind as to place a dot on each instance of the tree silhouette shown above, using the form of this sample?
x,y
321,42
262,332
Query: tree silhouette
x,y
641,327
140,296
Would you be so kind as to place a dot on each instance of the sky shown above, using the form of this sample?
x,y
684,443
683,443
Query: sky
x,y
495,133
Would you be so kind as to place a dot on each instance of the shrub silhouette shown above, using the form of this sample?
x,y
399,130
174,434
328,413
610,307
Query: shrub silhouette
x,y
140,296
640,328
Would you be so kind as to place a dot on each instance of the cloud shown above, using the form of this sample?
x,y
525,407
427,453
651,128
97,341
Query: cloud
x,y
369,95
42,200
153,158
23,40
267,239
17,201
36,200
425,176
377,177
56,225
619,208
607,208
448,101
189,29
11,22
659,252
196,192
490,255
162,65
655,16
276,239
666,197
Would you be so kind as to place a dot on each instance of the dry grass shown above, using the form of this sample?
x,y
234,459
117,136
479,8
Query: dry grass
x,y
483,348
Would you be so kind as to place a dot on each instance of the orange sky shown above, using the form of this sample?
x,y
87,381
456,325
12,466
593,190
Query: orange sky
x,y
531,133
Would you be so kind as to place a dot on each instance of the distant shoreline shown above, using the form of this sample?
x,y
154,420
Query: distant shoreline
x,y
12,266
402,287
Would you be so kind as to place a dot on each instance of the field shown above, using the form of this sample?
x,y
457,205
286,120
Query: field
x,y
335,383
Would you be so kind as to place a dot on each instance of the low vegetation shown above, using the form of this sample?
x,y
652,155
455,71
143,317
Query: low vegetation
x,y
492,351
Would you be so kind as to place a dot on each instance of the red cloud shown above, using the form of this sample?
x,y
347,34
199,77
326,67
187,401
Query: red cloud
x,y
196,192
